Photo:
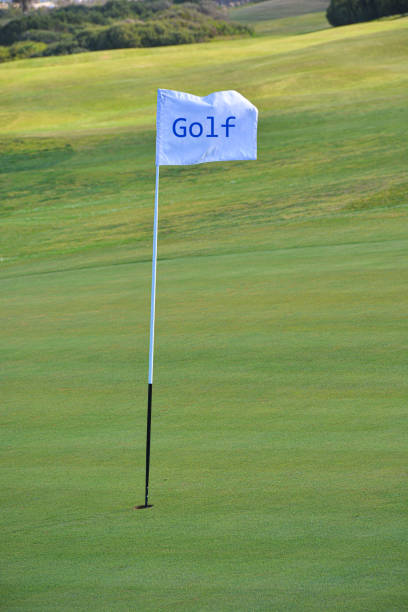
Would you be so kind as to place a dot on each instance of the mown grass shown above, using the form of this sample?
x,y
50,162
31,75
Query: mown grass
x,y
277,9
331,138
282,17
279,400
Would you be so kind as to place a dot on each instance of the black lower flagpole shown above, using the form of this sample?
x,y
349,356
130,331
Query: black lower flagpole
x,y
148,432
151,346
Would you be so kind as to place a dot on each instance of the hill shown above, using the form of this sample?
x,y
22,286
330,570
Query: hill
x,y
326,119
277,9
280,394
267,22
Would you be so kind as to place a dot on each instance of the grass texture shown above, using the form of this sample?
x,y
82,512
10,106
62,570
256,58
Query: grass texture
x,y
279,404
282,17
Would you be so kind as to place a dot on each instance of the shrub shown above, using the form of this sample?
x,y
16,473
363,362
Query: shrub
x,y
45,36
11,32
4,54
63,47
117,9
87,37
27,48
120,36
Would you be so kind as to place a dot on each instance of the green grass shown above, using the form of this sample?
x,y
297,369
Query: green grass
x,y
331,140
277,9
279,410
288,26
282,17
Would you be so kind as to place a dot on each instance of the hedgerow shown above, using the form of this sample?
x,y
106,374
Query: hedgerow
x,y
117,24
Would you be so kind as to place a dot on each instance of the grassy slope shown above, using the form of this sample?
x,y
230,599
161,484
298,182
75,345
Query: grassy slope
x,y
330,139
277,9
282,17
279,405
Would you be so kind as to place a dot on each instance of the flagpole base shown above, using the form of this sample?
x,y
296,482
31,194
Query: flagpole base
x,y
143,507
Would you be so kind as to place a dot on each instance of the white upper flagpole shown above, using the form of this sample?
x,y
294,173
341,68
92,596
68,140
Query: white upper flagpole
x,y
154,267
151,345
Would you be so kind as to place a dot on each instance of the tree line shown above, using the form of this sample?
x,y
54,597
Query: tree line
x,y
345,12
117,24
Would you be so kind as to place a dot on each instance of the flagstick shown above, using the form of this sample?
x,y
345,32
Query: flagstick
x,y
151,346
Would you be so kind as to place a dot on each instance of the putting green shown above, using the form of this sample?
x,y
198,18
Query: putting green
x,y
279,402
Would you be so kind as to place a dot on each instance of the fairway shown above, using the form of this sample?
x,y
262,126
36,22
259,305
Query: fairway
x,y
278,472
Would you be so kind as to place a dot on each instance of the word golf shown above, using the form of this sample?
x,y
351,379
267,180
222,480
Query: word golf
x,y
196,129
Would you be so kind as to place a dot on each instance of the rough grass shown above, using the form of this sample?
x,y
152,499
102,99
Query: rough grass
x,y
279,411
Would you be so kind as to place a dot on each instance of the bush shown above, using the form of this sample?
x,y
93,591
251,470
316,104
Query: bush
x,y
27,48
45,36
67,46
117,9
4,54
87,37
121,36
11,32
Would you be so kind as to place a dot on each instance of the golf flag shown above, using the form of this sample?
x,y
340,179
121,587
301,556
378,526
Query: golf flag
x,y
194,130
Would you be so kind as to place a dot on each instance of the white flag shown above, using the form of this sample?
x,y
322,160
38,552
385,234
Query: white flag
x,y
194,130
